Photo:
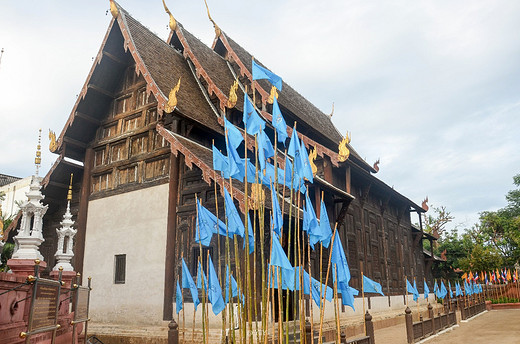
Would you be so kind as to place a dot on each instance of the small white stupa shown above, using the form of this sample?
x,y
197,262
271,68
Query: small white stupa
x,y
66,235
30,237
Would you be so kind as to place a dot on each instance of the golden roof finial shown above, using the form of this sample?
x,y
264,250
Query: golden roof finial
x,y
69,194
344,152
172,98
38,158
218,32
232,99
274,93
53,145
376,165
332,113
173,22
312,157
113,9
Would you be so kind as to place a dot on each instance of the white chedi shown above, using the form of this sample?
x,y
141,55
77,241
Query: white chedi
x,y
30,237
66,235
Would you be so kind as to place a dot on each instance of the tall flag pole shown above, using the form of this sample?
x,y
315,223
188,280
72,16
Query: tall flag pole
x,y
363,297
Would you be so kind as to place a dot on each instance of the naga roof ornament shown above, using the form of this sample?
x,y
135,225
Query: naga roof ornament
x,y
332,112
343,151
424,204
232,99
312,157
376,166
173,23
172,98
274,93
53,144
218,32
113,9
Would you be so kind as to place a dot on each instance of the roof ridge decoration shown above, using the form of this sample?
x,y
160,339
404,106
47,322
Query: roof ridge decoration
x,y
232,99
272,95
344,152
376,165
53,144
218,32
172,23
113,9
172,98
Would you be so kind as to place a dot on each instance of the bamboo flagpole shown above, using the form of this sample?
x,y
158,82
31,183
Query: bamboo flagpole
x,y
202,275
336,307
363,297
322,298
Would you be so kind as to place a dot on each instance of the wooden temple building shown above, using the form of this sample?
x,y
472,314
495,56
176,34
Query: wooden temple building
x,y
137,170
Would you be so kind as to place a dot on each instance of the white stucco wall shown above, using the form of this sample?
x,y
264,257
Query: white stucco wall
x,y
134,224
14,192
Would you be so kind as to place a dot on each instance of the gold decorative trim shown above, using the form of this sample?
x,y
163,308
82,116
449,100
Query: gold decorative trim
x,y
172,98
343,151
274,93
173,23
113,9
232,99
53,144
218,32
312,157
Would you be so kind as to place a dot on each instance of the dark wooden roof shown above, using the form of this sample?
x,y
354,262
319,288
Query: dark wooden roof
x,y
6,179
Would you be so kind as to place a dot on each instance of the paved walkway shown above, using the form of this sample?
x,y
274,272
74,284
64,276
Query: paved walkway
x,y
492,327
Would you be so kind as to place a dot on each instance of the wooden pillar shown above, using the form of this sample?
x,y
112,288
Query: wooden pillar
x,y
409,325
173,332
171,238
81,221
370,328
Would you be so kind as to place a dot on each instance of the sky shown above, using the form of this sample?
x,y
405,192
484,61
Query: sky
x,y
431,88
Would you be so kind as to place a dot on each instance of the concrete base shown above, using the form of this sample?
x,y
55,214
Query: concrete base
x,y
24,267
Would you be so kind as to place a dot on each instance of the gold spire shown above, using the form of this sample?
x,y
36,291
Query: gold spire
x,y
274,93
69,194
113,9
232,99
53,145
173,22
344,152
38,158
1,224
218,32
172,98
312,157
332,113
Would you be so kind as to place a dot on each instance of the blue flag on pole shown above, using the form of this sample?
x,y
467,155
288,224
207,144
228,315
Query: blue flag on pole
x,y
279,122
235,224
426,290
340,260
251,118
410,288
250,235
265,148
204,228
235,163
277,217
178,298
278,256
416,295
294,146
443,291
235,137
458,290
260,72
436,289
370,286
449,288
310,221
214,292
325,233
234,287
187,282
347,294
306,169
217,226
220,162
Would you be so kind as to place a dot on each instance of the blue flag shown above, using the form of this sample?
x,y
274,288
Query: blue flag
x,y
235,224
204,228
178,298
278,256
187,282
276,215
234,135
288,279
265,148
279,122
436,289
426,290
251,118
217,226
347,294
260,72
310,221
370,286
412,290
234,287
449,288
325,233
458,290
220,162
200,276
416,295
294,146
214,292
306,169
338,257
235,163
443,291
